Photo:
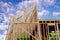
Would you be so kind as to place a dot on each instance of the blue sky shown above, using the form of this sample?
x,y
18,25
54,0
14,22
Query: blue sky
x,y
47,9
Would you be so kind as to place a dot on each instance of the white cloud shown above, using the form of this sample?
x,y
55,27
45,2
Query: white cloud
x,y
20,12
22,5
6,8
5,32
6,19
3,27
25,4
49,2
56,13
2,37
43,12
36,1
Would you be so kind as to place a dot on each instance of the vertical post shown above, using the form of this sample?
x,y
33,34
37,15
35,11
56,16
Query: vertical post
x,y
39,32
48,33
57,31
44,31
